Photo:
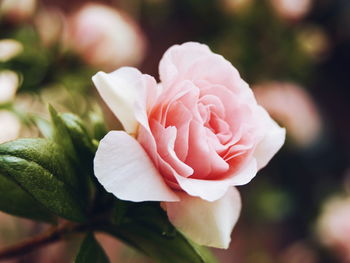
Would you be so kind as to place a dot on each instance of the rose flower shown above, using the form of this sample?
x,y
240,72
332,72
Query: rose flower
x,y
188,140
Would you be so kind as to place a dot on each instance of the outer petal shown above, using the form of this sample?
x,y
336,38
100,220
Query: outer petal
x,y
206,223
125,170
196,62
273,140
178,58
212,190
120,89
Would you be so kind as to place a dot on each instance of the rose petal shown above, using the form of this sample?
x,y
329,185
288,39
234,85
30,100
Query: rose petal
x,y
200,149
178,58
194,61
165,143
212,190
120,90
125,170
273,140
206,223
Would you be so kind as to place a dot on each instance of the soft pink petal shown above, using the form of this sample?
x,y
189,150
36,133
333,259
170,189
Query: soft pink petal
x,y
124,169
165,138
212,190
202,157
194,61
180,117
206,223
245,175
178,58
272,141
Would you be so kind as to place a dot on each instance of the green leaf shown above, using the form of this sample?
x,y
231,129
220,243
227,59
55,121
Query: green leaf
x,y
146,227
70,134
45,153
14,200
78,133
39,167
61,135
98,124
91,251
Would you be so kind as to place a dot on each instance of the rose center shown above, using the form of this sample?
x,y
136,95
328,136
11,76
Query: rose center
x,y
214,123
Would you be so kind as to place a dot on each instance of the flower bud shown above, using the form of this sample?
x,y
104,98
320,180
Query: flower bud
x,y
17,10
292,9
50,25
333,226
9,82
291,106
105,37
10,126
9,48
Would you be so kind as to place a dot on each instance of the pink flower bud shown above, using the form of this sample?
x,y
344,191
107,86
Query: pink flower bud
x,y
105,37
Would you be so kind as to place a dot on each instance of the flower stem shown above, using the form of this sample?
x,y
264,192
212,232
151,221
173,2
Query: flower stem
x,y
52,235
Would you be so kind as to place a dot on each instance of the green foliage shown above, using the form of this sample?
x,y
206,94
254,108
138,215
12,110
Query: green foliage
x,y
15,200
91,251
52,173
72,137
37,166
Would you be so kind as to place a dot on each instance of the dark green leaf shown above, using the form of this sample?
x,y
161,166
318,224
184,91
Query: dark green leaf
x,y
70,134
45,153
39,167
14,200
91,251
78,133
61,135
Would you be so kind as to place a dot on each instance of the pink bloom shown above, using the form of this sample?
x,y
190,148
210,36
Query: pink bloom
x,y
17,10
292,9
334,226
105,37
293,107
188,140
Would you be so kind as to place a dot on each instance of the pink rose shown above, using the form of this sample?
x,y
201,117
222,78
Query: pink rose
x,y
188,140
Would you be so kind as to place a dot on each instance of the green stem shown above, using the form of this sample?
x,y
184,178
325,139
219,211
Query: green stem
x,y
52,235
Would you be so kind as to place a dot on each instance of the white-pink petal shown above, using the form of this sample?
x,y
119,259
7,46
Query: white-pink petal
x,y
120,90
206,223
124,169
212,190
272,141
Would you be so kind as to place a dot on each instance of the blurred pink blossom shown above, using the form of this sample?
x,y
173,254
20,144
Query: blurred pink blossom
x,y
292,9
9,82
10,126
333,226
9,48
293,107
17,10
50,24
105,37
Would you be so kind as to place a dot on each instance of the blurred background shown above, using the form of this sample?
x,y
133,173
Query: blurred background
x,y
295,54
